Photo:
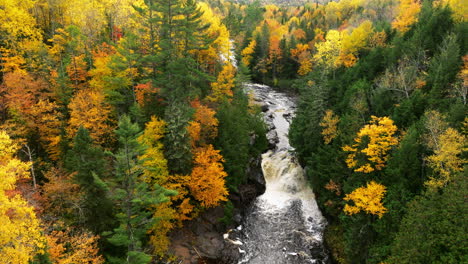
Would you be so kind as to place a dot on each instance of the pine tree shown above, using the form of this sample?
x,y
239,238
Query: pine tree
x,y
133,196
88,163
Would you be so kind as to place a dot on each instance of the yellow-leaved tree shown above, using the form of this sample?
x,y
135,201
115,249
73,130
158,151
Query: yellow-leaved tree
x,y
328,52
353,42
248,52
448,146
367,199
20,234
373,141
155,172
329,124
408,11
222,88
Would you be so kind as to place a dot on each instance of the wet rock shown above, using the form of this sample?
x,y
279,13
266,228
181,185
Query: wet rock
x,y
264,108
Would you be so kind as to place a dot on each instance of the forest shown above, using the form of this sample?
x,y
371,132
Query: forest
x,y
123,120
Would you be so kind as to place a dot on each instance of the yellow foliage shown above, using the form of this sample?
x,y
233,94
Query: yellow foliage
x,y
447,159
328,52
374,141
222,88
459,8
329,123
367,199
17,25
207,178
247,52
20,234
408,11
352,43
89,109
153,161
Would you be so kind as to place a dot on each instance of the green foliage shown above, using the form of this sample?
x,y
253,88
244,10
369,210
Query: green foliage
x,y
434,229
89,165
177,139
132,196
241,136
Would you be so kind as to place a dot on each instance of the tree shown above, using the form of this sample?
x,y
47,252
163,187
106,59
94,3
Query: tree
x,y
177,148
204,127
408,11
301,54
443,70
89,109
247,52
328,52
368,199
374,141
329,124
434,227
353,42
448,147
156,173
207,178
133,196
20,232
222,88
66,245
87,163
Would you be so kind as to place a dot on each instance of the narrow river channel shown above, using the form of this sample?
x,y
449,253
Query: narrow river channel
x,y
284,225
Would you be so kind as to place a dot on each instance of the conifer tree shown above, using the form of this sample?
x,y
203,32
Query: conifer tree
x,y
132,196
88,163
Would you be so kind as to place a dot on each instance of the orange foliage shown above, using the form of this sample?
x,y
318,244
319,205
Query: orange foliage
x,y
71,246
302,55
88,109
204,126
60,195
142,91
77,71
207,183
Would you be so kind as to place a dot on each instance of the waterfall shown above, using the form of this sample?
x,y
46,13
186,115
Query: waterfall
x,y
284,225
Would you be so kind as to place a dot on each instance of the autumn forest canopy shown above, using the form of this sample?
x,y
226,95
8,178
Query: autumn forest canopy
x,y
121,120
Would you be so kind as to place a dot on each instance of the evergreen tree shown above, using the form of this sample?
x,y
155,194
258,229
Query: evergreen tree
x,y
132,196
89,165
434,230
177,139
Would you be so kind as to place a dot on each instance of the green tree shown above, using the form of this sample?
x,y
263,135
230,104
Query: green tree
x,y
132,196
88,164
434,229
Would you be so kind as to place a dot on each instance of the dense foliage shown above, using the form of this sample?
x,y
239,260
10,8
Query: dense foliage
x,y
119,120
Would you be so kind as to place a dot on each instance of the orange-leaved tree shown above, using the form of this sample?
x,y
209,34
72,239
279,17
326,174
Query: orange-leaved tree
x,y
89,109
73,246
207,184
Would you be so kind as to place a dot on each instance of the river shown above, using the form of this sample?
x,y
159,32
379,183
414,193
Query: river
x,y
284,225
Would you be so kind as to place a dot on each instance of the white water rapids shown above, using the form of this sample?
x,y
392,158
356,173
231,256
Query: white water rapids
x,y
284,225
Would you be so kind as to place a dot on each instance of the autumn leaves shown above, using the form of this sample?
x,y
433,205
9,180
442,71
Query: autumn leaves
x,y
372,147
